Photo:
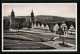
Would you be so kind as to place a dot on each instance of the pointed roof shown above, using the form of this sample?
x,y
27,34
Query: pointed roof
x,y
46,27
56,27
38,25
42,26
34,26
32,12
12,11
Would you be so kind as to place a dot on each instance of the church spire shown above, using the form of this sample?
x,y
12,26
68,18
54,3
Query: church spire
x,y
32,16
12,9
32,9
12,12
12,17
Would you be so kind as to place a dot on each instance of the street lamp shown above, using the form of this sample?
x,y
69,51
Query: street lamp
x,y
63,35
64,27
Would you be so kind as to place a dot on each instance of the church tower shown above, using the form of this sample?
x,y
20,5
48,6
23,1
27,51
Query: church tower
x,y
32,17
12,17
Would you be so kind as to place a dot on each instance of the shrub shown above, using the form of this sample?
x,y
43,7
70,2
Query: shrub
x,y
43,40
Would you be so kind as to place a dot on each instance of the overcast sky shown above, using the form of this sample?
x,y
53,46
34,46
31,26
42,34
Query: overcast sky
x,y
54,9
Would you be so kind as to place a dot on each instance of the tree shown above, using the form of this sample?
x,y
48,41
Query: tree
x,y
16,25
60,32
29,25
69,23
24,24
6,24
59,24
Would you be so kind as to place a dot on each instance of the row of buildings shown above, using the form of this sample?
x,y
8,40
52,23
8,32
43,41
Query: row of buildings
x,y
47,26
63,26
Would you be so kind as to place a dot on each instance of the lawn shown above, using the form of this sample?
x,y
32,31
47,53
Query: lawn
x,y
26,40
24,45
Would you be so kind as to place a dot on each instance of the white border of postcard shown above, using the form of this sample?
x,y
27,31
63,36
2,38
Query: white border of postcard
x,y
36,50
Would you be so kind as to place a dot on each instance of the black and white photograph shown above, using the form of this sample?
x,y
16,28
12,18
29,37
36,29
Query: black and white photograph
x,y
39,27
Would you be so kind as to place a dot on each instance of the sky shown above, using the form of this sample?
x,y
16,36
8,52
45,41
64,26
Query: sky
x,y
53,9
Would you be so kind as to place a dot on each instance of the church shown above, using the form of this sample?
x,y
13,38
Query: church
x,y
31,23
